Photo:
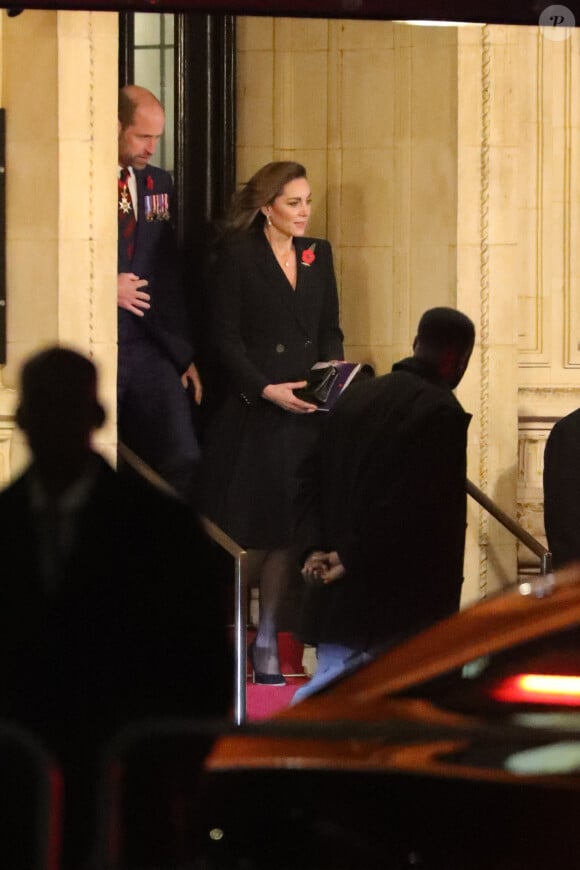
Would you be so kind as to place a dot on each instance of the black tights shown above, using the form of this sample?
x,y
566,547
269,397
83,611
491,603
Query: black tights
x,y
274,577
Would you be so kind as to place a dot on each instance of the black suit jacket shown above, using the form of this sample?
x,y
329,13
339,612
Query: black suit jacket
x,y
156,259
127,632
135,630
386,488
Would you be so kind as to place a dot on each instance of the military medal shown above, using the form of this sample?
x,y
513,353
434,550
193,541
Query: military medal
x,y
157,207
125,205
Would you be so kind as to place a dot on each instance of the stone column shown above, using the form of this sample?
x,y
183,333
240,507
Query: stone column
x,y
489,248
59,89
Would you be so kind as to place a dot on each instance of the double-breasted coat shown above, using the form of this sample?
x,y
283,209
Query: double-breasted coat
x,y
264,332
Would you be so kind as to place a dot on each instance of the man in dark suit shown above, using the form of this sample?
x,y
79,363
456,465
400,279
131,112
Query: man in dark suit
x,y
109,610
382,509
155,365
562,490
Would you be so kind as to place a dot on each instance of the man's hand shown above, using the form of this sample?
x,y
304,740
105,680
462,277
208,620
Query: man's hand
x,y
321,567
282,395
130,293
192,376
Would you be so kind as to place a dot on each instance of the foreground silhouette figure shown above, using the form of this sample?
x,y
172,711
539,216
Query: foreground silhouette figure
x,y
107,604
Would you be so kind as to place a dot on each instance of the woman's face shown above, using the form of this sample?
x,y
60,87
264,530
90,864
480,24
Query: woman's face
x,y
290,210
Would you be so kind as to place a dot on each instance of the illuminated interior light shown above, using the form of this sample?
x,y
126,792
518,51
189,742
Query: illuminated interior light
x,y
539,689
419,23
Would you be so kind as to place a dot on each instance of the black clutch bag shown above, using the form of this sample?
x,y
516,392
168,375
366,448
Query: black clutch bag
x,y
320,382
327,381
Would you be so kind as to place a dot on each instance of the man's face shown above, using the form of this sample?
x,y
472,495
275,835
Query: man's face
x,y
460,368
138,141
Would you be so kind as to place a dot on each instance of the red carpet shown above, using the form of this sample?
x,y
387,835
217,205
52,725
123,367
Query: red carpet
x,y
262,702
265,701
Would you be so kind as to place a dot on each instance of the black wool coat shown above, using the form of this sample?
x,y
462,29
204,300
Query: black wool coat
x,y
264,332
386,488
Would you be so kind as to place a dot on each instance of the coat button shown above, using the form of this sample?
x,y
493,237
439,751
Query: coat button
x,y
280,348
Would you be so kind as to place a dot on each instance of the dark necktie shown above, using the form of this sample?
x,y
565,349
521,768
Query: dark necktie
x,y
127,222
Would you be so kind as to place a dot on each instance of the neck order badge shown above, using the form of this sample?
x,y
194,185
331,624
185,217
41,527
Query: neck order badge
x,y
126,214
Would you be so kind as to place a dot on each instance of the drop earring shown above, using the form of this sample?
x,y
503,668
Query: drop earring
x,y
269,220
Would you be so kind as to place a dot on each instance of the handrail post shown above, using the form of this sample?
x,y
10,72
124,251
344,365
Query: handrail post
x,y
512,526
240,642
546,563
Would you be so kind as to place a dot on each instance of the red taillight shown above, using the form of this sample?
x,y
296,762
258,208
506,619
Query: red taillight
x,y
539,689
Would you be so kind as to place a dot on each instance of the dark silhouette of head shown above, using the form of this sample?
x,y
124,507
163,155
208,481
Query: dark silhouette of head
x,y
445,339
58,412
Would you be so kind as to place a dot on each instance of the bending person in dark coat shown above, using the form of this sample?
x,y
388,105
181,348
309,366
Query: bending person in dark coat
x,y
275,313
108,609
382,506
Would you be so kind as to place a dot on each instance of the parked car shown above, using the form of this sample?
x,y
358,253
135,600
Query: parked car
x,y
458,750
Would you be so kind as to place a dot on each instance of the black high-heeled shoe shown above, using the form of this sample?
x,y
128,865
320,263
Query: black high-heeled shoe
x,y
261,678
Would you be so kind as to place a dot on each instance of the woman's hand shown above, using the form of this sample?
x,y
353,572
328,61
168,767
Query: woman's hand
x,y
283,396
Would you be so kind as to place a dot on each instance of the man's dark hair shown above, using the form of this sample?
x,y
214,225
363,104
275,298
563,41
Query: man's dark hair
x,y
445,329
127,108
130,98
59,371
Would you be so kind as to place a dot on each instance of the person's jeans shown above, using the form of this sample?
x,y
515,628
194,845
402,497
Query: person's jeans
x,y
334,660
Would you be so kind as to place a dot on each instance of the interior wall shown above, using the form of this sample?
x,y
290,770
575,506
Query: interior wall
x,y
60,216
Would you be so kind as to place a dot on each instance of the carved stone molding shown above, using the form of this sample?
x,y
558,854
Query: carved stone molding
x,y
483,517
91,192
532,436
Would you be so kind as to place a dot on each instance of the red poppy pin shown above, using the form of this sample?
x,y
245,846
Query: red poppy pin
x,y
308,255
149,183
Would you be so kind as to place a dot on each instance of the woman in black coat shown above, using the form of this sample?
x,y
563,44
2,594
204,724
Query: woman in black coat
x,y
274,313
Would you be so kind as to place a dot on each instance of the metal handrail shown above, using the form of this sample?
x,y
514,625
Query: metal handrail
x,y
240,581
512,526
240,613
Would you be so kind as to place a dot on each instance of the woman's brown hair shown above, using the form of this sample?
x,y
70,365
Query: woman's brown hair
x,y
262,189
